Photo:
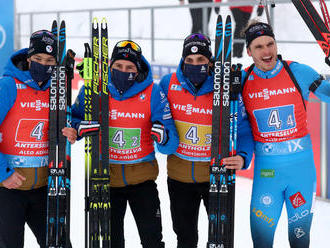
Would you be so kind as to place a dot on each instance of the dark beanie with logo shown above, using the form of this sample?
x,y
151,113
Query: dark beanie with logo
x,y
197,43
43,41
127,53
256,30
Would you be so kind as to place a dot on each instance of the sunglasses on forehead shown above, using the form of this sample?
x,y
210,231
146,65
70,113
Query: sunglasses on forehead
x,y
41,33
258,28
133,45
198,36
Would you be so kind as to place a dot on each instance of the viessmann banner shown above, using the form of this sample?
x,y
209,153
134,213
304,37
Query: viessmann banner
x,y
6,31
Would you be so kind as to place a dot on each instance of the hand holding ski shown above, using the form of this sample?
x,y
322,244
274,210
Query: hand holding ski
x,y
233,163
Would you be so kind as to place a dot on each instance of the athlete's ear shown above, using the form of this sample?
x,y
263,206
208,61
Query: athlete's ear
x,y
29,61
248,51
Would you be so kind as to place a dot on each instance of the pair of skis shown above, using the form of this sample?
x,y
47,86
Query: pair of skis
x,y
58,193
224,136
318,27
97,182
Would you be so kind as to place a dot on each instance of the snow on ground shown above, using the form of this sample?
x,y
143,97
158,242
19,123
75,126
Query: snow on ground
x,y
320,227
173,23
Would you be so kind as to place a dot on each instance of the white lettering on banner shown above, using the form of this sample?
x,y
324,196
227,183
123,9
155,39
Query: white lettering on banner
x,y
217,84
189,109
266,93
115,115
296,145
53,91
127,151
26,152
38,105
31,145
61,89
298,216
280,133
226,86
195,148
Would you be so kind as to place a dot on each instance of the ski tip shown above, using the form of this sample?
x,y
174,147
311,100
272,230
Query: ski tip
x,y
219,26
54,27
54,24
219,18
95,22
228,19
104,23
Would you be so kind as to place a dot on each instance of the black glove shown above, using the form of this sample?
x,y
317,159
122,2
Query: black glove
x,y
235,76
88,128
158,133
217,10
260,10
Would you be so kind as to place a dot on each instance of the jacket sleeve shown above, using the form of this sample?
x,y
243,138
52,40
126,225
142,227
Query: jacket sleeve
x,y
8,95
306,76
160,111
5,170
78,109
245,143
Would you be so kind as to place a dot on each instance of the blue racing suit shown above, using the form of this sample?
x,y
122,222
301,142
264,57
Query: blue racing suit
x,y
284,166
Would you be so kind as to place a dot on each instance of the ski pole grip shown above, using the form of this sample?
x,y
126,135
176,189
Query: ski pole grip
x,y
236,76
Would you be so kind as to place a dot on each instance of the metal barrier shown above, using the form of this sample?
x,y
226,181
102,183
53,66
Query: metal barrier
x,y
23,17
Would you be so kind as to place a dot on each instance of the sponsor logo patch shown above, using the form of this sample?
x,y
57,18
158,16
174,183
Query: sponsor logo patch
x,y
263,217
176,87
270,173
299,232
267,199
297,200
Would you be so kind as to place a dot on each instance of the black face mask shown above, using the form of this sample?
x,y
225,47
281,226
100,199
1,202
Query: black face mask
x,y
41,73
122,80
196,74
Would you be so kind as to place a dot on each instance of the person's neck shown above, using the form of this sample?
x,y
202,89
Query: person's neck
x,y
269,73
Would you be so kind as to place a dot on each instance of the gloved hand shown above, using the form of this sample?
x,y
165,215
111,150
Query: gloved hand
x,y
88,128
80,68
158,133
235,77
260,10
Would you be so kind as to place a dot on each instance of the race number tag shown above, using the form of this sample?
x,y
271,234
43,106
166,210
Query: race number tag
x,y
194,134
32,131
275,119
124,138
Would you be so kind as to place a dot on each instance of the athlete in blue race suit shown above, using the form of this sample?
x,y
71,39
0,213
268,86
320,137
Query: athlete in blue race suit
x,y
284,167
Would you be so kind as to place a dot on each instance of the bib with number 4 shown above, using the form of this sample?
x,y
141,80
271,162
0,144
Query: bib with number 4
x,y
24,131
275,108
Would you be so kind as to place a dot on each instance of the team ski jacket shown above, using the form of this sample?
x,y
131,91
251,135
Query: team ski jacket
x,y
24,113
276,108
132,155
192,113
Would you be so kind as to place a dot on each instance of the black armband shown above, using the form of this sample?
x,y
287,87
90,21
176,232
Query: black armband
x,y
316,84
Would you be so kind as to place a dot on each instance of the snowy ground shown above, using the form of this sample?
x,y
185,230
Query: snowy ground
x,y
175,24
320,229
